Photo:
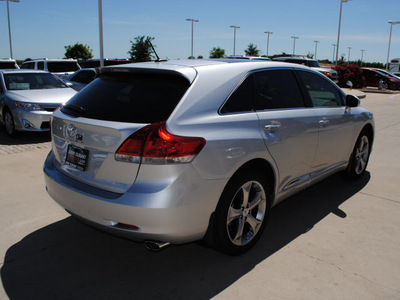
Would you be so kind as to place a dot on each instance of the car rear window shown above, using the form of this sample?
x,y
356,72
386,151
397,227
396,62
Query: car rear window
x,y
8,65
55,67
129,97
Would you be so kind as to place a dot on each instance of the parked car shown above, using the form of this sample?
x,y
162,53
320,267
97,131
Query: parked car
x,y
179,151
388,73
8,63
376,78
95,63
81,78
28,98
312,63
59,67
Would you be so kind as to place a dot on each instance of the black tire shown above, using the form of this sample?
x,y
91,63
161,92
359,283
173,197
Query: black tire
x,y
9,123
242,212
360,156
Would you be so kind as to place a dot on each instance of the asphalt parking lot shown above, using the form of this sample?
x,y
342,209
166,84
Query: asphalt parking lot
x,y
336,240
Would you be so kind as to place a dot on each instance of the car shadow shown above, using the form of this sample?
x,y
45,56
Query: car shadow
x,y
68,260
23,138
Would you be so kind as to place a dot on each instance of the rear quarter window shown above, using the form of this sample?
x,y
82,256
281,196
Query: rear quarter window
x,y
130,97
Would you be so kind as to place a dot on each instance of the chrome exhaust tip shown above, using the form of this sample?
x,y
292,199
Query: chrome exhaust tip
x,y
155,246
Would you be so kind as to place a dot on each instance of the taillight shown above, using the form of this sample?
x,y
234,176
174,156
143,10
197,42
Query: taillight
x,y
153,144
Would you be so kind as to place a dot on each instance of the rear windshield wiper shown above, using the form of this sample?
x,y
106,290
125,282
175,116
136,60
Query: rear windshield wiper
x,y
74,108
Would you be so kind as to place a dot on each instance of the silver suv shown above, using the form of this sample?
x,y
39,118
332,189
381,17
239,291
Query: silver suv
x,y
312,63
59,67
178,151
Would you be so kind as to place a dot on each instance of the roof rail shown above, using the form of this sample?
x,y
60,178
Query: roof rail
x,y
45,58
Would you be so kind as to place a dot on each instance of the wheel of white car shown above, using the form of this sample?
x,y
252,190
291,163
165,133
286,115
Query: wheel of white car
x,y
242,212
360,156
9,123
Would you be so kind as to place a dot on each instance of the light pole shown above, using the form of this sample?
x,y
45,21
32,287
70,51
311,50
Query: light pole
x,y
333,57
193,21
316,43
362,56
9,24
101,33
268,33
294,43
348,57
390,38
338,35
234,38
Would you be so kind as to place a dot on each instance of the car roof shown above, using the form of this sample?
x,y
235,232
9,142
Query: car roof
x,y
191,67
10,71
281,58
7,60
198,63
52,59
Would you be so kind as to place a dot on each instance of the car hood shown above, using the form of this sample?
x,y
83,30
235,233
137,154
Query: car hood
x,y
59,95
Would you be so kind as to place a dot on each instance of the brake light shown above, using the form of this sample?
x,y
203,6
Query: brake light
x,y
153,144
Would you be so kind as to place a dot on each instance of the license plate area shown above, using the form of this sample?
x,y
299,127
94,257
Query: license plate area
x,y
77,157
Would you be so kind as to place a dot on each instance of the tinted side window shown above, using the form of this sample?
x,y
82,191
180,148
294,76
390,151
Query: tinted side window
x,y
277,89
29,65
84,77
321,91
242,99
40,65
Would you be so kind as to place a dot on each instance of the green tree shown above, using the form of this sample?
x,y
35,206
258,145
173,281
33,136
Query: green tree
x,y
141,49
217,52
78,51
252,50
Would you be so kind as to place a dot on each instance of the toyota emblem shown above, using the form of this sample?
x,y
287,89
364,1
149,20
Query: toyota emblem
x,y
71,131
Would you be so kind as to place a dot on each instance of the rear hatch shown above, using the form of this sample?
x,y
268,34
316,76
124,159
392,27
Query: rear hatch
x,y
89,129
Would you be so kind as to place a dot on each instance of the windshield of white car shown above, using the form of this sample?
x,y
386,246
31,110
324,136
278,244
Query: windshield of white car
x,y
32,81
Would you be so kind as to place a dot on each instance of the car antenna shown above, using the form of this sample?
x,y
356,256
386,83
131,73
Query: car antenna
x,y
158,58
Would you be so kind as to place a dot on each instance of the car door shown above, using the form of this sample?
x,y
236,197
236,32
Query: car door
x,y
288,127
335,122
2,96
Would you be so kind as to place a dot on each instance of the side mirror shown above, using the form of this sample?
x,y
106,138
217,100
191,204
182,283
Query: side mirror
x,y
352,101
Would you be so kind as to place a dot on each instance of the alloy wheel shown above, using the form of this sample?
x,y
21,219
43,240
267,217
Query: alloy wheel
x,y
246,213
362,153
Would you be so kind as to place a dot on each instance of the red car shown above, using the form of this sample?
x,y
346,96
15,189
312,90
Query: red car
x,y
380,80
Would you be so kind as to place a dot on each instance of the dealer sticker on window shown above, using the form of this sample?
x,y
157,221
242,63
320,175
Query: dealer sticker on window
x,y
77,157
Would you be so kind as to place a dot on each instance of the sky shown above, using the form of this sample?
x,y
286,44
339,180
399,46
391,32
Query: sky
x,y
41,28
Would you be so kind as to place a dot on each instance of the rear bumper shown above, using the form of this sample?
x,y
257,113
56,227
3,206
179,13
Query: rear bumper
x,y
178,214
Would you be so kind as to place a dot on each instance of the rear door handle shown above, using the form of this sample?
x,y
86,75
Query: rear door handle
x,y
324,122
272,127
